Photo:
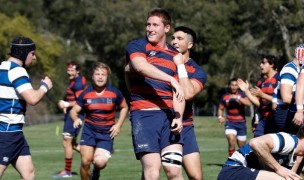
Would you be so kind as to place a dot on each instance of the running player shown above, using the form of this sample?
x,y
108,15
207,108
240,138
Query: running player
x,y
234,102
99,102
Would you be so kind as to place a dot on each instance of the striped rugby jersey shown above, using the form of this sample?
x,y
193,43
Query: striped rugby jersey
x,y
147,92
288,75
197,74
14,80
234,108
100,109
76,86
283,152
267,86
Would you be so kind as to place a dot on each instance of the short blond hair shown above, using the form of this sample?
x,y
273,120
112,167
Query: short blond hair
x,y
100,65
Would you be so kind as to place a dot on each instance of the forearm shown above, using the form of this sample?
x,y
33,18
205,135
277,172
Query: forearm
x,y
33,97
178,107
255,100
148,70
73,115
188,87
122,116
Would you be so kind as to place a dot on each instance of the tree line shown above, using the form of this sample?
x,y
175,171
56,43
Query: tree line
x,y
231,36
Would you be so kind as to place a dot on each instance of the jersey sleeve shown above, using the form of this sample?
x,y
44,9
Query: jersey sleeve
x,y
20,79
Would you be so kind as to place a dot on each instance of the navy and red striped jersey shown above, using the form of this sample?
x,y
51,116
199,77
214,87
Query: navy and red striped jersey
x,y
267,86
147,92
197,74
234,108
76,86
100,108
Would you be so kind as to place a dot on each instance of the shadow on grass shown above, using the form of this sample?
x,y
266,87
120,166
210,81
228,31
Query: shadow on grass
x,y
215,164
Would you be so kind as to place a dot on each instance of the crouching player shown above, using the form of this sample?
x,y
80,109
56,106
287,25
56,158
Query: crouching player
x,y
271,156
99,102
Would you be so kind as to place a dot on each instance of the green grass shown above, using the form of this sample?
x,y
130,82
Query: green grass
x,y
47,152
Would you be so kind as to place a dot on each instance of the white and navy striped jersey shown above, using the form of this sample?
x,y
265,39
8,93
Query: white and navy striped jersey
x,y
283,152
288,75
14,80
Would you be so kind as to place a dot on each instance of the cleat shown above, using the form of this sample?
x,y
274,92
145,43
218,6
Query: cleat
x,y
62,174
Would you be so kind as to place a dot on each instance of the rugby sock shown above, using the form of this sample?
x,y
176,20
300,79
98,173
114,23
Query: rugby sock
x,y
230,152
68,164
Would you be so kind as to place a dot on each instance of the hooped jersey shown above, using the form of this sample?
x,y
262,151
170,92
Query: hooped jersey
x,y
100,109
147,92
288,75
14,80
283,152
197,74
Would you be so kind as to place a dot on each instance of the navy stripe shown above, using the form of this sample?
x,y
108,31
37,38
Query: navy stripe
x,y
281,142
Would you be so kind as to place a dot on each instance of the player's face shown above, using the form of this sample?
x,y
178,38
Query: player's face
x,y
100,77
181,42
72,72
30,58
265,66
233,87
156,30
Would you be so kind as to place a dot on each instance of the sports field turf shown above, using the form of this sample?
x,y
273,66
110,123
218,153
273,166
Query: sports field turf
x,y
47,152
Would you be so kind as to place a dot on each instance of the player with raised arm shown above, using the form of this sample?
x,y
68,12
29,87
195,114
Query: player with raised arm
x,y
16,92
192,78
157,99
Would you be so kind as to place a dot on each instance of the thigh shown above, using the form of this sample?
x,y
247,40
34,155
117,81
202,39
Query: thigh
x,y
192,163
87,153
189,139
24,165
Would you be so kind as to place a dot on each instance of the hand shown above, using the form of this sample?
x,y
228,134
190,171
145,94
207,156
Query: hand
x,y
287,173
298,118
176,126
63,104
178,59
48,81
77,123
256,91
115,131
243,85
221,120
178,89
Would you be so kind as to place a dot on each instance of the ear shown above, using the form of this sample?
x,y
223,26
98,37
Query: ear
x,y
190,45
167,28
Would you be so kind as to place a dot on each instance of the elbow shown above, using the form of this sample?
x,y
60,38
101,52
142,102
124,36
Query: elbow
x,y
32,102
286,100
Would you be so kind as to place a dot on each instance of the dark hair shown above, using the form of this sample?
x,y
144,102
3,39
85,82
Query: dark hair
x,y
187,30
74,64
231,80
272,60
163,14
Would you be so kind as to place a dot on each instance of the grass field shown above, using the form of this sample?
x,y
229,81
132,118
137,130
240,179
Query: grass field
x,y
47,152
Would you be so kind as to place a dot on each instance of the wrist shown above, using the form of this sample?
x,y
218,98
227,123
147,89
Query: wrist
x,y
44,86
182,72
299,108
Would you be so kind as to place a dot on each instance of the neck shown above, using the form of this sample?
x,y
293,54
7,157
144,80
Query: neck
x,y
15,60
186,56
271,73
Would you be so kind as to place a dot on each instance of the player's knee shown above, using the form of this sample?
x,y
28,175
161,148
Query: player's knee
x,y
101,160
29,175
